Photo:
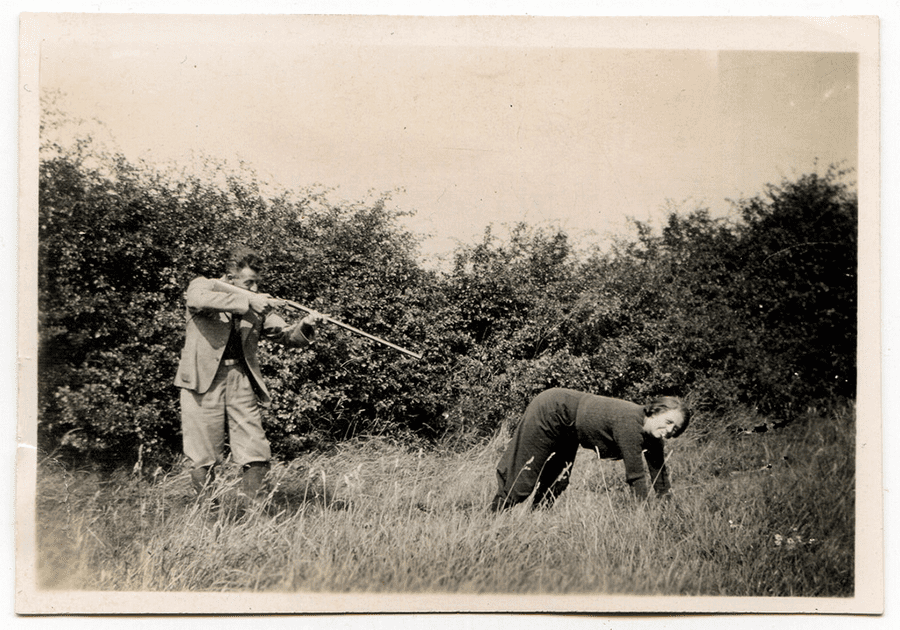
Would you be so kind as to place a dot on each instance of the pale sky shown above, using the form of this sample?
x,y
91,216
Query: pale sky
x,y
475,127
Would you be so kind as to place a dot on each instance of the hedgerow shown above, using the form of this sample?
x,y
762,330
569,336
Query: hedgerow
x,y
757,312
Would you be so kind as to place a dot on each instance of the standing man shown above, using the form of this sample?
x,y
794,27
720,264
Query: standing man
x,y
219,373
558,421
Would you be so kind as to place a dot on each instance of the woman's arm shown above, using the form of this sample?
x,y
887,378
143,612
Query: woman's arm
x,y
656,464
630,441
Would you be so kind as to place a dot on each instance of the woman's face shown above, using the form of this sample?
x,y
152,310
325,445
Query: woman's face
x,y
664,424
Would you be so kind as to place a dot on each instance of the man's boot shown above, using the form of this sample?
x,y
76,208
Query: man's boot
x,y
202,479
254,475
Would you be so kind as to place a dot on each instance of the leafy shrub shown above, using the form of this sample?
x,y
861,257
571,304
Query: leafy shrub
x,y
758,313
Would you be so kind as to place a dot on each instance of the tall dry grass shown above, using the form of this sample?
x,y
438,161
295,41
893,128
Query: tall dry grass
x,y
753,515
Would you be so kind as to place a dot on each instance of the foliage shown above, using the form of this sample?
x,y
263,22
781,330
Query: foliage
x,y
759,312
800,246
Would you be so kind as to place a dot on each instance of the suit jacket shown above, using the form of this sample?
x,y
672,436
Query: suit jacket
x,y
209,321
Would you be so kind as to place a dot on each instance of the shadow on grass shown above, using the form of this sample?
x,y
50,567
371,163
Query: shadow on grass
x,y
293,500
293,489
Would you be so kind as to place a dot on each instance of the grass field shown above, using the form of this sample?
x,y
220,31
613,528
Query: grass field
x,y
761,514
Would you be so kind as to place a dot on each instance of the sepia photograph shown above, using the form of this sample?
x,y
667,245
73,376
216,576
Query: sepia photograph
x,y
402,314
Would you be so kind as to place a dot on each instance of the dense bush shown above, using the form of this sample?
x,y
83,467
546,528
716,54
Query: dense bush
x,y
759,312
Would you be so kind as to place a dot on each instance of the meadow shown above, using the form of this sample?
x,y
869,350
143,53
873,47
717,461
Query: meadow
x,y
753,514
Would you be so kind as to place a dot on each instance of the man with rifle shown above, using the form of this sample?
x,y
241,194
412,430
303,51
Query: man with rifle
x,y
219,373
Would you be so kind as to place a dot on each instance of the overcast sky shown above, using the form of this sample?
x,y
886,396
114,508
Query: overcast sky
x,y
477,124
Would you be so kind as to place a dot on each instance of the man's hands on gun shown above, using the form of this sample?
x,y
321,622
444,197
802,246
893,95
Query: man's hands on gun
x,y
309,324
314,319
262,303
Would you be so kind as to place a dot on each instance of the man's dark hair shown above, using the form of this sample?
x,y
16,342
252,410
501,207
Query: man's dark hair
x,y
242,257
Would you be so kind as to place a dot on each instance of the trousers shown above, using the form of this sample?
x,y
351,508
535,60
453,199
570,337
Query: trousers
x,y
230,404
541,452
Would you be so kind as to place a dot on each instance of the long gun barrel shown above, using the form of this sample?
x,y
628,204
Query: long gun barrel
x,y
224,286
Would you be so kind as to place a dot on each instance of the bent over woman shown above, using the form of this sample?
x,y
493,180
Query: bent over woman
x,y
557,421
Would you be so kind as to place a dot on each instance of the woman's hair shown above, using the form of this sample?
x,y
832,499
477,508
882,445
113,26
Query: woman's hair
x,y
667,403
242,257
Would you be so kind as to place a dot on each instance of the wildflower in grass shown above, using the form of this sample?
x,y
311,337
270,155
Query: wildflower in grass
x,y
794,540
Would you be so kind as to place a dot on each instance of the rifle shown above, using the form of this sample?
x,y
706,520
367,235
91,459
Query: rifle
x,y
224,286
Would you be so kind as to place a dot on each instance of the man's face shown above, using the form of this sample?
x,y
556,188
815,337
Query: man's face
x,y
246,278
